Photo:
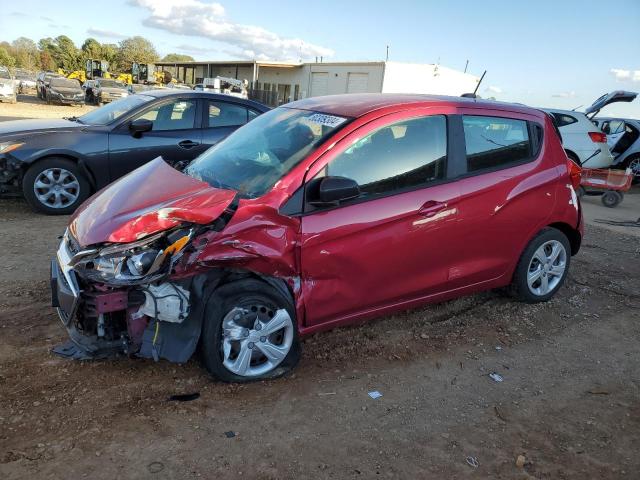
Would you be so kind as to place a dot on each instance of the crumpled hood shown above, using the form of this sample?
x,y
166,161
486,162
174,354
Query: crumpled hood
x,y
152,198
37,126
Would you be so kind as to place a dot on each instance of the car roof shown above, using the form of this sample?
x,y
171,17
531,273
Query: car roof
x,y
172,92
358,104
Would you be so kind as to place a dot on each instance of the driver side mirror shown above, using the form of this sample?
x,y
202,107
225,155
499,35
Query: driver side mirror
x,y
140,126
328,191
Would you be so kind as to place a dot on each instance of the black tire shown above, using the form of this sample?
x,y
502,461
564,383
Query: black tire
x,y
36,169
223,300
611,198
519,285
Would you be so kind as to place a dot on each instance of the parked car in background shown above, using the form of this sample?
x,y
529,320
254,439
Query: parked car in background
x,y
139,87
106,90
42,82
7,86
623,137
64,91
57,163
583,141
320,213
26,82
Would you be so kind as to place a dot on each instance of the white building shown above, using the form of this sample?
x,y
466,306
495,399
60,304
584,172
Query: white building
x,y
281,82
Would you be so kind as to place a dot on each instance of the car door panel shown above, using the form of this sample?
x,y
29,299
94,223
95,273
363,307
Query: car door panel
x,y
375,253
128,152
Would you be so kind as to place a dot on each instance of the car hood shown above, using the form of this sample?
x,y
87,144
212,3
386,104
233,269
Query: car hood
x,y
608,98
68,90
113,90
152,198
37,126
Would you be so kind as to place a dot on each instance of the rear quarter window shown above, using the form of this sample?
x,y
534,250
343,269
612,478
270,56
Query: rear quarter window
x,y
495,142
562,119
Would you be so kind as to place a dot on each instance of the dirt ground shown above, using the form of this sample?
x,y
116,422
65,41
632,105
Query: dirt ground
x,y
569,402
30,106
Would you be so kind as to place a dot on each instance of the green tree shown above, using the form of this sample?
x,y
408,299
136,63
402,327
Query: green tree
x,y
91,48
177,57
135,49
26,53
6,59
110,53
67,55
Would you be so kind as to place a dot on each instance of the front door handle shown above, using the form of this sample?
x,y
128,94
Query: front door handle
x,y
431,208
188,144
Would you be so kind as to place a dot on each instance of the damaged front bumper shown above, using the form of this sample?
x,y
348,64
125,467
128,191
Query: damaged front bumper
x,y
151,321
11,172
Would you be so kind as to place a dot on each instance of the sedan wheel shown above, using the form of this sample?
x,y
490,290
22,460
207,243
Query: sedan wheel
x,y
56,188
255,339
546,268
634,165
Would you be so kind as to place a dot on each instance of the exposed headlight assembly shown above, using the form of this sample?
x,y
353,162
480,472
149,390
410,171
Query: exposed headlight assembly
x,y
144,261
7,147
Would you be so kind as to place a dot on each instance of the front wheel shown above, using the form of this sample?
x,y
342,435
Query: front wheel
x,y
249,332
55,186
543,267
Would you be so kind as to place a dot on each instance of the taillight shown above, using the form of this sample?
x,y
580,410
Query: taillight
x,y
575,173
598,137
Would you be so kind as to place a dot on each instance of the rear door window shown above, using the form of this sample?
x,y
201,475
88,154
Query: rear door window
x,y
224,114
495,142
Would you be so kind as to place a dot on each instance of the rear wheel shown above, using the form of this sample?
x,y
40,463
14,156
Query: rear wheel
x,y
611,198
55,186
249,332
543,267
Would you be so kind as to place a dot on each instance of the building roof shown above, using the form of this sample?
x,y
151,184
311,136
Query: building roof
x,y
358,104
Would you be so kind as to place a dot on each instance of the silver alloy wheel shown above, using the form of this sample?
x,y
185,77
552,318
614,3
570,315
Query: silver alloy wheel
x,y
547,267
255,339
56,188
634,165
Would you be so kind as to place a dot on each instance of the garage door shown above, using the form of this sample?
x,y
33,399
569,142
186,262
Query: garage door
x,y
358,83
319,83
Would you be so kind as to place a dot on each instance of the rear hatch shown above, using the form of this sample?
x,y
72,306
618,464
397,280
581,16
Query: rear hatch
x,y
608,98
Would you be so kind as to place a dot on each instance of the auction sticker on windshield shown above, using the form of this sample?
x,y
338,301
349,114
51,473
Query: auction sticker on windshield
x,y
325,120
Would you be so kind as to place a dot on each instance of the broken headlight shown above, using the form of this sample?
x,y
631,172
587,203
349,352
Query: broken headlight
x,y
143,261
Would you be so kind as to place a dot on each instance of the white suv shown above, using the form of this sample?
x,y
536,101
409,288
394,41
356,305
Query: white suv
x,y
582,140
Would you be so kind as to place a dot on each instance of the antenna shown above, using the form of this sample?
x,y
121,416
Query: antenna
x,y
465,66
479,82
387,58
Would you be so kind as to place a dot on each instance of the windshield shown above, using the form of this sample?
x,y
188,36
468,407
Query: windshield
x,y
4,74
111,84
64,83
255,157
113,111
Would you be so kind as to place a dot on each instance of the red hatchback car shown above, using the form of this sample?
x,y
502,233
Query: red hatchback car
x,y
317,214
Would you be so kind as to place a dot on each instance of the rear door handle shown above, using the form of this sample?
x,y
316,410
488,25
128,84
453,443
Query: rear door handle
x,y
431,208
188,144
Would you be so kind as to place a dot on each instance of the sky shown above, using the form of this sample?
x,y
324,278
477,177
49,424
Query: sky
x,y
561,54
